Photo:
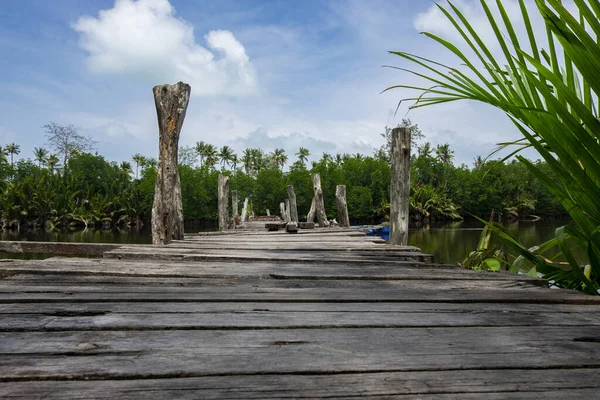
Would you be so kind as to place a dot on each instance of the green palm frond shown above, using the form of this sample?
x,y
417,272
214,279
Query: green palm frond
x,y
550,92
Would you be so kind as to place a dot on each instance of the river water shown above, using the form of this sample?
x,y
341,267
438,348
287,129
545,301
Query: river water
x,y
449,243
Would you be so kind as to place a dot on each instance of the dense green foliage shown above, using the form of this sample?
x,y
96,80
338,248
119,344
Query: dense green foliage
x,y
549,88
90,191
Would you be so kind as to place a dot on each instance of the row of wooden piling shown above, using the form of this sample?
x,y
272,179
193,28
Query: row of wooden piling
x,y
167,211
288,208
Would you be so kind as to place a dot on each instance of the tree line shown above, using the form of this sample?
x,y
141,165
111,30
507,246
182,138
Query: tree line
x,y
70,185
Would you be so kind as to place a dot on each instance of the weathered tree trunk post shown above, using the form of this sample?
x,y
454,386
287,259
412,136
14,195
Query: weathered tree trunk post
x,y
245,211
282,211
234,206
167,211
400,187
310,217
319,203
268,212
288,214
223,202
293,204
342,207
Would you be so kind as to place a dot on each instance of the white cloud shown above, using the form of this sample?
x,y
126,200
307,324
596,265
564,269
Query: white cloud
x,y
144,39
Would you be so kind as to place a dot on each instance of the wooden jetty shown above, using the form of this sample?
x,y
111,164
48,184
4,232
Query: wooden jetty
x,y
255,315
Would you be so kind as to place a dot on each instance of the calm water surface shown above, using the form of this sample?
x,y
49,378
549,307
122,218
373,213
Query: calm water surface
x,y
448,243
451,243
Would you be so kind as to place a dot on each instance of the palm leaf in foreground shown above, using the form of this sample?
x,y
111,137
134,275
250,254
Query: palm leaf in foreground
x,y
550,96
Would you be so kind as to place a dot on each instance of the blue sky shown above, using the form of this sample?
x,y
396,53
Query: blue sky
x,y
263,73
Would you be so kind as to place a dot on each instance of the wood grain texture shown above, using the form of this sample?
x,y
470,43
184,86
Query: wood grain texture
x,y
167,211
223,202
319,202
400,186
322,313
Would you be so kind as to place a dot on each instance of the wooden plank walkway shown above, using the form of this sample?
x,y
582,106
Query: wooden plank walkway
x,y
326,313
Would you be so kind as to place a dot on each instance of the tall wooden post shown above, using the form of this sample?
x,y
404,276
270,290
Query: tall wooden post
x,y
400,187
310,217
167,211
293,204
223,202
319,202
342,207
234,206
288,214
245,211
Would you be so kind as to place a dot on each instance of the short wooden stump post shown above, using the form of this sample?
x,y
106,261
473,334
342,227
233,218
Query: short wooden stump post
x,y
319,202
342,206
293,204
223,202
234,207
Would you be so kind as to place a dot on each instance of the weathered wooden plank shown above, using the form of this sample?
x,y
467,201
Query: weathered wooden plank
x,y
100,264
64,248
274,246
230,292
81,309
237,283
61,320
262,255
403,270
265,237
146,354
508,383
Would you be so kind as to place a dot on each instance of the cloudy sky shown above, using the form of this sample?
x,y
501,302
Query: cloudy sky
x,y
263,73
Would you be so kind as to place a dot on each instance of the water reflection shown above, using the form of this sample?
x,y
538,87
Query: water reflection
x,y
128,236
452,242
449,243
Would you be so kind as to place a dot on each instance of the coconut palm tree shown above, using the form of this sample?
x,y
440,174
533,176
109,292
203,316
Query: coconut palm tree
x,y
226,155
234,161
125,167
338,159
326,158
247,160
425,150
12,149
211,155
53,162
303,154
201,150
150,162
138,159
280,157
444,154
478,162
259,161
41,155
